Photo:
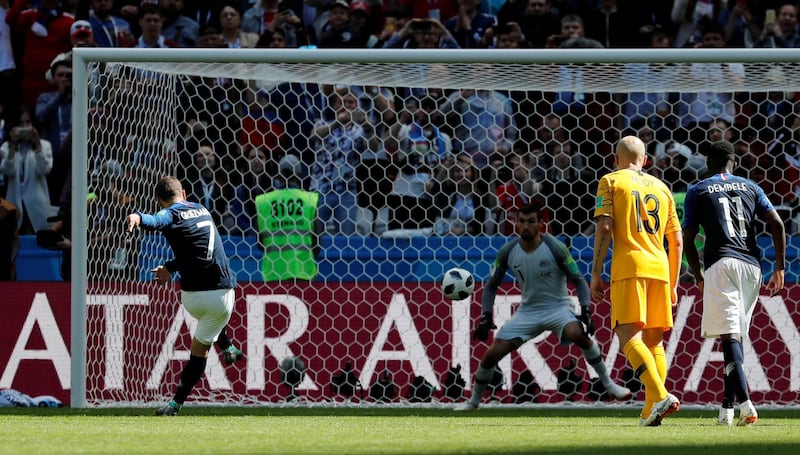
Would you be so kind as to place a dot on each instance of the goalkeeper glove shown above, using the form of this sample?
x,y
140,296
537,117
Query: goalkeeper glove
x,y
486,324
586,318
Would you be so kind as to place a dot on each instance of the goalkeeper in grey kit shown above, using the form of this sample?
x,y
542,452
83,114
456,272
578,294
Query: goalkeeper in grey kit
x,y
542,265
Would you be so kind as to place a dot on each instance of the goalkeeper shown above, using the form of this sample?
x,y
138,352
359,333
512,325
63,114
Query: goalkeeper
x,y
206,280
542,265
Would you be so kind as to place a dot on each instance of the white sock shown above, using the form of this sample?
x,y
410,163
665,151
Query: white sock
x,y
482,378
595,359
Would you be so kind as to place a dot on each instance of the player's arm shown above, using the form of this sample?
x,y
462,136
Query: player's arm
x,y
692,255
603,233
490,292
569,266
159,221
675,242
493,283
674,237
161,274
584,298
156,222
581,288
691,228
602,243
778,233
578,280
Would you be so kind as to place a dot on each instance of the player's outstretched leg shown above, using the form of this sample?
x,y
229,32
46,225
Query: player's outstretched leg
x,y
189,376
465,406
747,414
734,370
170,410
595,359
482,378
642,361
725,416
230,352
660,359
619,392
661,409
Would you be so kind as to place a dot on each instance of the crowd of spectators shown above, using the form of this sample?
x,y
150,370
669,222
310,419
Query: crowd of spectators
x,y
386,158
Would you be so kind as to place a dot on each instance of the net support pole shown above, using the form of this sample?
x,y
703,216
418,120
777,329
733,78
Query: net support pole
x,y
527,70
317,56
80,103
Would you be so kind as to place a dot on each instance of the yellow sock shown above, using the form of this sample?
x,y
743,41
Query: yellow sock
x,y
660,358
644,366
647,409
661,361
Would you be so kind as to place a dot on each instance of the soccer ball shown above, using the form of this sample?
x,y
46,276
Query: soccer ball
x,y
457,284
293,370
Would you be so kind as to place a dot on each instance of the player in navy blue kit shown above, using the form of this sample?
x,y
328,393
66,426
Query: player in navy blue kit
x,y
206,279
726,206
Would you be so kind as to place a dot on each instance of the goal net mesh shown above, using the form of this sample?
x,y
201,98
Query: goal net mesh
x,y
421,165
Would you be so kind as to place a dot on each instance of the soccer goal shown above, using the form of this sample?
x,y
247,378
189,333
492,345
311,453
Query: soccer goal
x,y
425,154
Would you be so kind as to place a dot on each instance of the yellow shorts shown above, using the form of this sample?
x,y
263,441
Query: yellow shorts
x,y
641,301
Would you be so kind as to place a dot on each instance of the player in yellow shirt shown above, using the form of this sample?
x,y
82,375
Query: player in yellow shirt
x,y
637,211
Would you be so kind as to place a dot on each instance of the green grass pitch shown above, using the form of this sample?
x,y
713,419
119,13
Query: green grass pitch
x,y
376,430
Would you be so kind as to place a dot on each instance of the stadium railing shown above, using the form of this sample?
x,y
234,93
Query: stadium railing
x,y
369,258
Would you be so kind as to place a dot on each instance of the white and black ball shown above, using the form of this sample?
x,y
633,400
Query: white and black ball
x,y
457,284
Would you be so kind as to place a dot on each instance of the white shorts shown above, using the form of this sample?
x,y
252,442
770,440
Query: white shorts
x,y
729,297
212,309
529,322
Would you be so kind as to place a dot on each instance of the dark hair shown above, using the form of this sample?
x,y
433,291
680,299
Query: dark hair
x,y
711,26
422,25
502,29
168,188
660,34
265,39
580,42
569,18
719,153
268,36
150,8
527,209
235,4
61,62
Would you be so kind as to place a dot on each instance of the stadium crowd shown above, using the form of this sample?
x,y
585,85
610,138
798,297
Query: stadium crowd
x,y
385,159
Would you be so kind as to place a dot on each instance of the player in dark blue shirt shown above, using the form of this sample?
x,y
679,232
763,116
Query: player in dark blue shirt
x,y
206,279
726,206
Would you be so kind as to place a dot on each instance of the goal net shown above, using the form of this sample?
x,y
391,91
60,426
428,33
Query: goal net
x,y
419,159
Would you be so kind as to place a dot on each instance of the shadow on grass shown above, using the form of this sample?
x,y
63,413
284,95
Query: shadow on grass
x,y
527,430
389,411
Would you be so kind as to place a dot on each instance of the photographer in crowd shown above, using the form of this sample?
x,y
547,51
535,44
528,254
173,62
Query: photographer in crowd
x,y
422,34
26,160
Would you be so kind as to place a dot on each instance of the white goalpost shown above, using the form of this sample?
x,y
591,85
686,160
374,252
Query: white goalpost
x,y
402,132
